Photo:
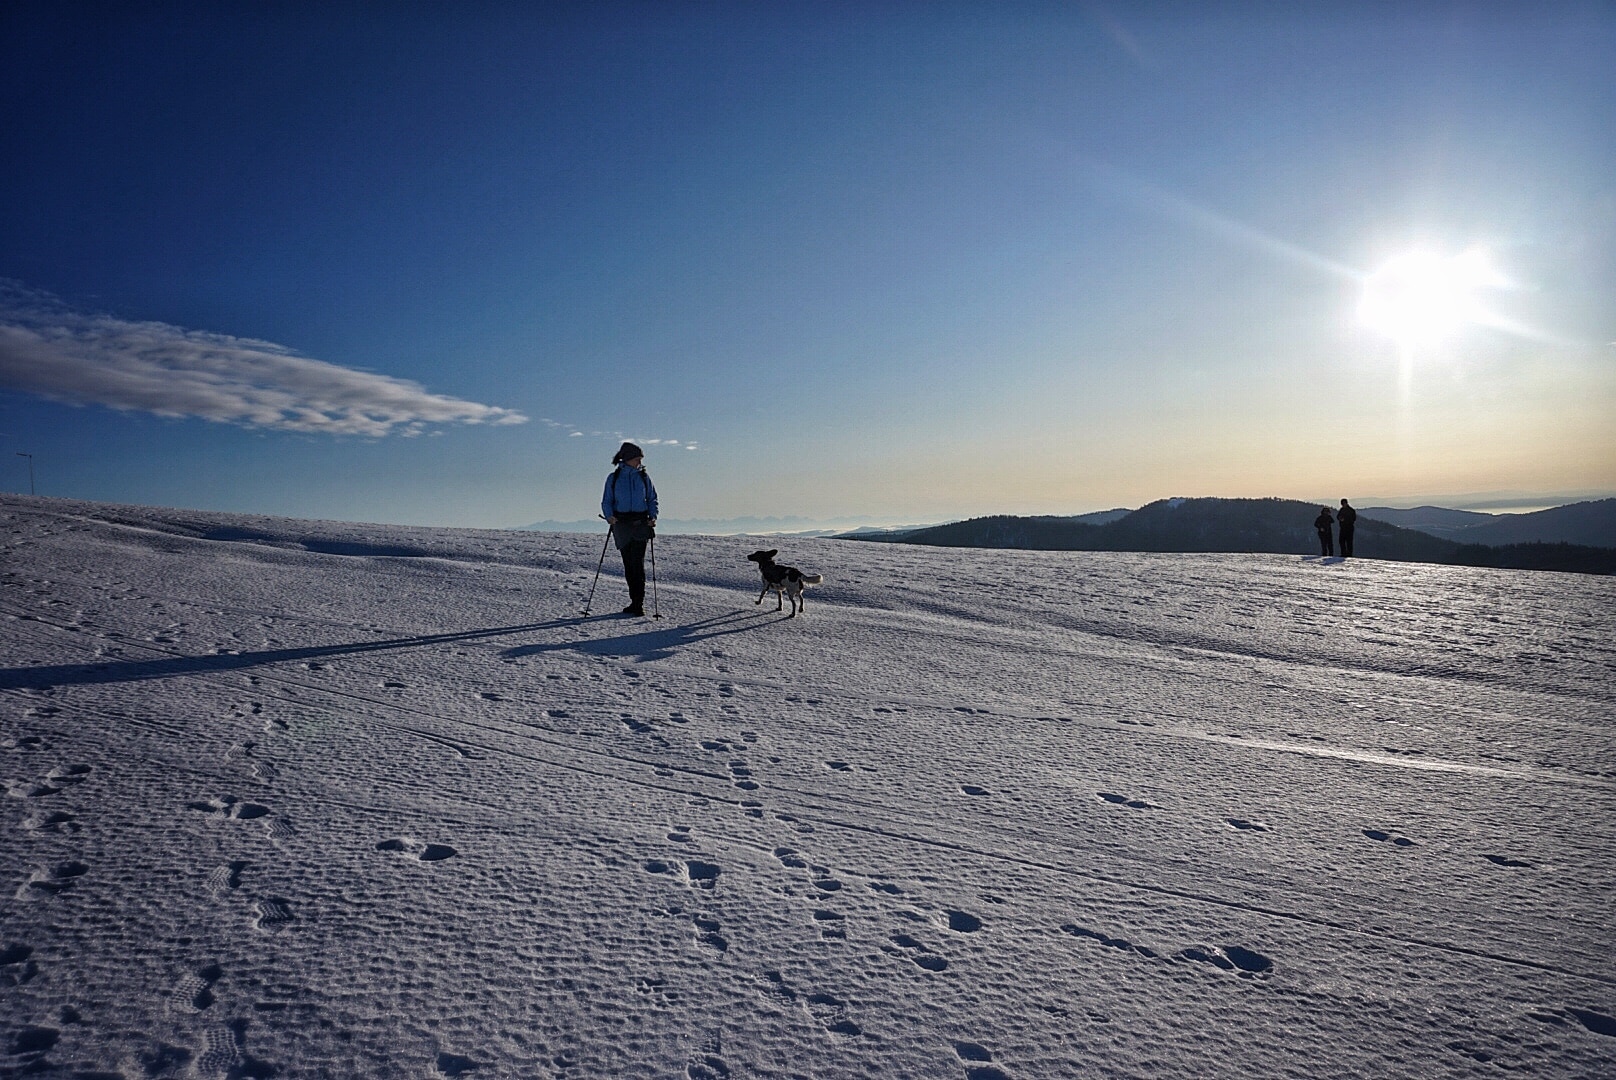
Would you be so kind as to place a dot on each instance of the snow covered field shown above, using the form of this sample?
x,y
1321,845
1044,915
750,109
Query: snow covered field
x,y
300,799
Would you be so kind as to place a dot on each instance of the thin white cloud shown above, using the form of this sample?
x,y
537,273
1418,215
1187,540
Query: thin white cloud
x,y
52,350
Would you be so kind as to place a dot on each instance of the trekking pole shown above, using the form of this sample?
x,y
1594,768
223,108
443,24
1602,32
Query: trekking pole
x,y
598,565
656,605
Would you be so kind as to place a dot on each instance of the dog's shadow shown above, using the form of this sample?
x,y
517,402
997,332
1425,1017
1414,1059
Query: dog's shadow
x,y
656,644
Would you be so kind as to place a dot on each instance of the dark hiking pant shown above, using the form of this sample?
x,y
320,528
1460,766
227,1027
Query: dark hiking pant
x,y
1324,542
634,570
1346,543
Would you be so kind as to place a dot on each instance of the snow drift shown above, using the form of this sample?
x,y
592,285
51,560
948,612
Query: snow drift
x,y
304,799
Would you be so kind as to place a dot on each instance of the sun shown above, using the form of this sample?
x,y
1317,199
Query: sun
x,y
1421,297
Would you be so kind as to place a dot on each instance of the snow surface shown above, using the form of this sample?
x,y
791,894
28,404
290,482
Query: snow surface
x,y
300,799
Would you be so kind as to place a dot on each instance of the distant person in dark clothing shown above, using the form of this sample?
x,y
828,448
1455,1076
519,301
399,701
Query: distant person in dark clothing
x,y
1347,518
1323,523
629,505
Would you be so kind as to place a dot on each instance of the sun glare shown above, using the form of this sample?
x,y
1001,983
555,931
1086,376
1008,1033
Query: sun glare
x,y
1420,297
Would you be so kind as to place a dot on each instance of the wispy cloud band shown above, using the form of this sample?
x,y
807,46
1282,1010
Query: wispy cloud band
x,y
52,350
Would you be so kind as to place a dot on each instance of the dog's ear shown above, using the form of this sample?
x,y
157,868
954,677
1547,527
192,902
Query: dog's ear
x,y
772,552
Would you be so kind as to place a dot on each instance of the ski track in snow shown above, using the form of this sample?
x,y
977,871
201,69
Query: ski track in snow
x,y
291,798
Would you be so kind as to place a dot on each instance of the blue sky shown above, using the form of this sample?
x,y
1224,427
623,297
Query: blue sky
x,y
908,262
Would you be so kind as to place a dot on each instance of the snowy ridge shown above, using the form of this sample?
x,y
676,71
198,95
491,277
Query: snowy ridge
x,y
298,798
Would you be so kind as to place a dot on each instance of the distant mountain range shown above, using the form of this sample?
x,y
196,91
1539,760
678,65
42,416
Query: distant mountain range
x,y
1591,524
1535,541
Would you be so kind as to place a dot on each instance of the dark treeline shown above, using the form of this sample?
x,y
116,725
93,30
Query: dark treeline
x,y
1277,526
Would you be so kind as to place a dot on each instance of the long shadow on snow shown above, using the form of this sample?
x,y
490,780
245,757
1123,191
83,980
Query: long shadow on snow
x,y
36,678
654,644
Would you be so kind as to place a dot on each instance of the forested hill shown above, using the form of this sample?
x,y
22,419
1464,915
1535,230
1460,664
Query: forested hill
x,y
1279,526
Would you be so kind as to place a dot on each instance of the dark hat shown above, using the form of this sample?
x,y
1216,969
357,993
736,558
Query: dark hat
x,y
627,452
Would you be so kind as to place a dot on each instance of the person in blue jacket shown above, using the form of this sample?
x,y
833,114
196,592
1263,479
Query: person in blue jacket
x,y
629,505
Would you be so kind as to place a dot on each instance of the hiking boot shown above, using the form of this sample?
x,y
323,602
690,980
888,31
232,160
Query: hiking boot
x,y
634,609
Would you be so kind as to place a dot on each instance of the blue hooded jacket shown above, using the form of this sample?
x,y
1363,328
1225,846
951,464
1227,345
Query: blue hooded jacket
x,y
628,490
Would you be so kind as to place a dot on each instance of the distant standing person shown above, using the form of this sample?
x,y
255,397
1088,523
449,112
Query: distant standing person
x,y
1347,518
629,505
1323,523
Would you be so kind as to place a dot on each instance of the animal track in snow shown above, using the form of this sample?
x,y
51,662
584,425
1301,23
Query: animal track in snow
x,y
1502,860
1394,838
917,951
838,766
972,789
1123,800
422,851
1596,1022
1246,826
974,1054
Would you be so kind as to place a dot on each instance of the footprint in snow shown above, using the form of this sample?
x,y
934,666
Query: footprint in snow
x,y
1123,800
274,915
58,821
456,1064
16,967
57,880
698,875
830,924
231,807
1393,838
975,1055
917,951
972,789
29,789
1242,961
707,1067
194,991
1245,826
1108,941
1502,860
963,922
707,933
422,851
222,880
831,1012
1596,1022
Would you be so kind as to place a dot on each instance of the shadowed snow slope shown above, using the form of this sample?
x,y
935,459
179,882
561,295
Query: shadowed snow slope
x,y
301,799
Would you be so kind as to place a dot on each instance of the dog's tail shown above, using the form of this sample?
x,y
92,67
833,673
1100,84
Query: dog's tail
x,y
813,579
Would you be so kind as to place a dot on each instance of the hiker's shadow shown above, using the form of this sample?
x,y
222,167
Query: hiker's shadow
x,y
37,677
657,643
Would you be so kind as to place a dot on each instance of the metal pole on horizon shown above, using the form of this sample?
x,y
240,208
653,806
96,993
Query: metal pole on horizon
x,y
598,565
30,458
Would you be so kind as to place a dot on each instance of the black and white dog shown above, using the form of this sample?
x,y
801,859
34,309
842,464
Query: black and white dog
x,y
786,581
